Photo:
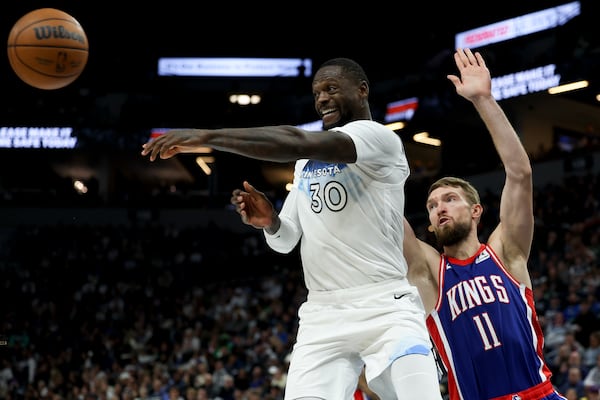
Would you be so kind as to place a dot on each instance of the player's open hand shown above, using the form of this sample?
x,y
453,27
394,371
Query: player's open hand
x,y
474,78
173,142
253,206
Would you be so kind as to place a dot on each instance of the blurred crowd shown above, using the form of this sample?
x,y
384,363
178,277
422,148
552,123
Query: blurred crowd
x,y
154,312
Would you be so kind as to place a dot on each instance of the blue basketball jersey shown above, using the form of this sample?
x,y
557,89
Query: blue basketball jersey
x,y
486,330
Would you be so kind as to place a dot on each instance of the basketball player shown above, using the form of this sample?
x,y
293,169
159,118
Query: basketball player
x,y
482,317
346,209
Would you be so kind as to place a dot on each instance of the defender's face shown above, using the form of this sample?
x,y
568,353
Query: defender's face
x,y
450,215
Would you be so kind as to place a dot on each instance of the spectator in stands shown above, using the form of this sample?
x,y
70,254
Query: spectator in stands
x,y
61,319
573,382
585,321
556,330
592,351
591,381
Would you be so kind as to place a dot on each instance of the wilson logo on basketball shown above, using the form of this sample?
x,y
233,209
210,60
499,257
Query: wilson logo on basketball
x,y
47,48
57,32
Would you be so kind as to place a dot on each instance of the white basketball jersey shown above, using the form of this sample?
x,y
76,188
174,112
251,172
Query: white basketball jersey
x,y
349,217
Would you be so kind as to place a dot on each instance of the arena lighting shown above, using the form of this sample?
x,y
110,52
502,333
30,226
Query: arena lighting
x,y
396,126
423,137
568,87
244,99
203,162
80,187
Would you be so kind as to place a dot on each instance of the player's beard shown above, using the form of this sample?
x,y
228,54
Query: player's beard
x,y
450,235
343,120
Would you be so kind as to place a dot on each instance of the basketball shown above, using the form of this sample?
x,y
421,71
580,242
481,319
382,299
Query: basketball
x,y
47,48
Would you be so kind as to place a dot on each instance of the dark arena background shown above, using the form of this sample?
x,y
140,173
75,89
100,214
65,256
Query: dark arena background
x,y
126,279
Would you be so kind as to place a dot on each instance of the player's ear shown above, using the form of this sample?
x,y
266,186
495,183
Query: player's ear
x,y
477,210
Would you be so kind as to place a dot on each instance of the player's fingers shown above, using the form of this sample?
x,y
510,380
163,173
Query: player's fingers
x,y
166,152
460,58
248,187
469,55
240,208
152,148
244,216
252,191
156,152
479,59
147,147
236,195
